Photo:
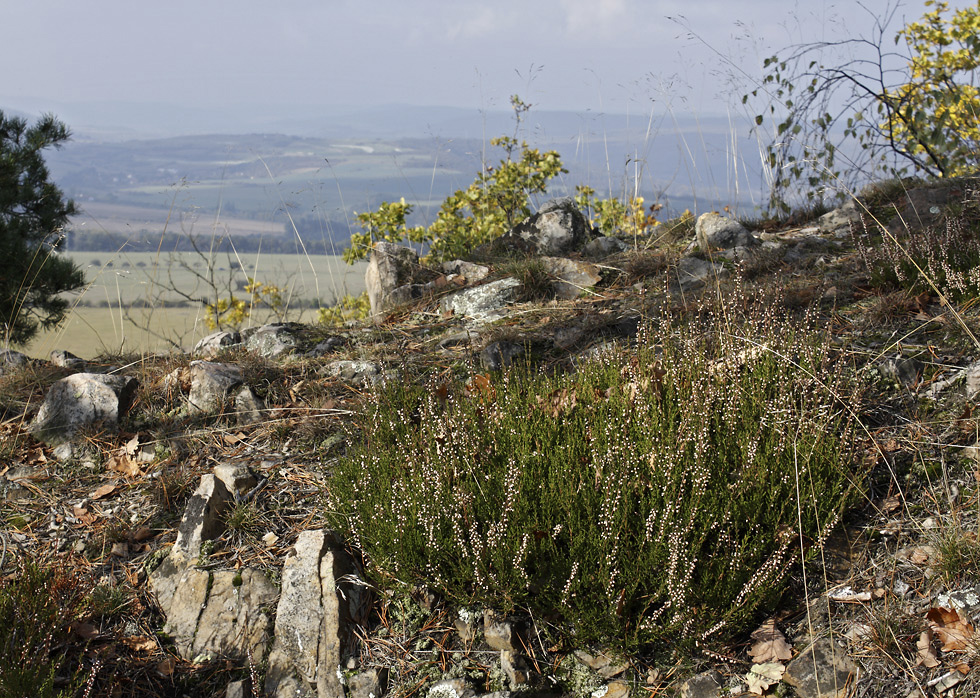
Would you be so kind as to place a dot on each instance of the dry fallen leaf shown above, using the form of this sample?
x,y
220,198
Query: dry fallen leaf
x,y
167,666
762,676
139,643
122,463
104,491
132,446
770,644
927,655
954,632
86,631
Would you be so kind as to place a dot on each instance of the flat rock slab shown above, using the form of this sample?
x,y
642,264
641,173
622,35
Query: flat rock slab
x,y
482,303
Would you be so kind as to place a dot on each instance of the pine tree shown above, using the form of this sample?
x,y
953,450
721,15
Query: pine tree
x,y
33,215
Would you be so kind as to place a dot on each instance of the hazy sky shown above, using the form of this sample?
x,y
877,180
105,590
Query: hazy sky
x,y
605,55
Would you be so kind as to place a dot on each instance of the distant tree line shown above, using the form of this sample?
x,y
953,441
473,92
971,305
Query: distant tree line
x,y
314,237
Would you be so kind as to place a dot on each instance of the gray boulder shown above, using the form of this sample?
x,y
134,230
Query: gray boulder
x,y
358,373
840,219
559,227
390,266
212,386
81,401
713,230
500,354
821,671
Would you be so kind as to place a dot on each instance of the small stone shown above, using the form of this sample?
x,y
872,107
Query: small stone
x,y
821,671
705,685
368,684
270,539
617,689
499,634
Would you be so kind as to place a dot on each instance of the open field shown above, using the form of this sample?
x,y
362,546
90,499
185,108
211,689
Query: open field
x,y
129,219
130,301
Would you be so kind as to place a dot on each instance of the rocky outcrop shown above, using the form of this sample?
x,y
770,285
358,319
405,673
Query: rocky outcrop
x,y
482,304
320,595
80,402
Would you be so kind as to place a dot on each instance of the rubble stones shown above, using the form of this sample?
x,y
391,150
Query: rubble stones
x,y
559,227
312,619
81,401
841,218
11,360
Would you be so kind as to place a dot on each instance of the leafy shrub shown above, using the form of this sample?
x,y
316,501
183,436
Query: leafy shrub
x,y
347,308
922,117
658,493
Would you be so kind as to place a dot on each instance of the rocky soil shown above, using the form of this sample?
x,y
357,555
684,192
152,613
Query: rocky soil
x,y
186,492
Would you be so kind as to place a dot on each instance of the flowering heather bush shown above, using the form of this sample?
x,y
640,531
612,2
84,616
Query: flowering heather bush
x,y
948,254
658,493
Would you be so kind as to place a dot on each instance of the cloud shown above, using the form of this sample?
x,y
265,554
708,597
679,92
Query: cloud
x,y
591,18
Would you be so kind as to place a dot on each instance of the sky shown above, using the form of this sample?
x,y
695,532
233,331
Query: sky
x,y
612,56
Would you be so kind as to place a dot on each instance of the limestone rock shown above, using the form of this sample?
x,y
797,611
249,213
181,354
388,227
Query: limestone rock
x,y
559,227
211,385
248,406
692,273
272,340
603,247
358,373
237,479
713,230
390,266
841,218
209,346
602,664
821,671
202,518
312,619
705,685
65,359
235,617
11,360
469,271
482,303
81,401
500,354
572,277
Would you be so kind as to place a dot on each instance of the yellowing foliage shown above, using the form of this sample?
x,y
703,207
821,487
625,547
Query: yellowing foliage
x,y
936,114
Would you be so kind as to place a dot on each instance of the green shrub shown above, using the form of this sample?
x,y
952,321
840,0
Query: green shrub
x,y
660,493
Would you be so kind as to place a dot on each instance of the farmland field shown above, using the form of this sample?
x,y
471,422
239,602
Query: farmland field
x,y
131,301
